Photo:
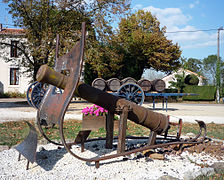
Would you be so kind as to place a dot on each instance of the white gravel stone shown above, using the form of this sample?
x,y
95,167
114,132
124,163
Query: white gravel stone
x,y
53,163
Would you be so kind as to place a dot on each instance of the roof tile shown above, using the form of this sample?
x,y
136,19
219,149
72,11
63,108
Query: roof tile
x,y
9,31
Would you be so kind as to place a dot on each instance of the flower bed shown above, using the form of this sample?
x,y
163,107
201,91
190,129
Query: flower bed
x,y
94,117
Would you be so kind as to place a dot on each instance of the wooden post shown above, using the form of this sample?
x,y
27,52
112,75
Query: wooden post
x,y
109,130
122,130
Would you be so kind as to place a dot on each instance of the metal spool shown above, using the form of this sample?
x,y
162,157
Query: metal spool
x,y
158,85
129,80
145,84
132,92
99,83
114,84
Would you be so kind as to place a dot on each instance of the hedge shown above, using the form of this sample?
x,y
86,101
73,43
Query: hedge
x,y
205,93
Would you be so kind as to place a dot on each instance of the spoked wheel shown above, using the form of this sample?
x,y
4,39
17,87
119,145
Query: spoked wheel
x,y
37,94
29,91
132,92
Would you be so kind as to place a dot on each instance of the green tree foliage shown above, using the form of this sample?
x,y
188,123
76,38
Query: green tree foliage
x,y
145,45
43,19
215,77
191,79
105,61
139,43
210,68
194,65
178,82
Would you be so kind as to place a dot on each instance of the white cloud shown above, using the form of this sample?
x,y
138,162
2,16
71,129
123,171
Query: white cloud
x,y
192,5
198,45
169,16
175,20
137,7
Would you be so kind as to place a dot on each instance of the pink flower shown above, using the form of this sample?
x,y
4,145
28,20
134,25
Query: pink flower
x,y
94,110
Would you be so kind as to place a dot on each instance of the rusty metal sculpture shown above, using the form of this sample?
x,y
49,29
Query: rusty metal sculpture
x,y
53,108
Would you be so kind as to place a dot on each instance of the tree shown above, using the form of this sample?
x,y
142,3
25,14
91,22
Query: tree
x,y
43,19
145,45
222,80
105,61
191,79
210,68
139,43
194,65
178,82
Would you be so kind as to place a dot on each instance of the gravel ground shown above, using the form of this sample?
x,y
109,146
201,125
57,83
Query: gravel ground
x,y
55,163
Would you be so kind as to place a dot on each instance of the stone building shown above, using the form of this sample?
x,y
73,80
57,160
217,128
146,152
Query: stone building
x,y
11,77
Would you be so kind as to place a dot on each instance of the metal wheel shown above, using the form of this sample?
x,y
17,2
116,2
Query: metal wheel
x,y
132,92
28,93
37,94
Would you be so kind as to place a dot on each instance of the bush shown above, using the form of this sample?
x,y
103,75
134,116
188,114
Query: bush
x,y
205,93
13,95
171,91
191,79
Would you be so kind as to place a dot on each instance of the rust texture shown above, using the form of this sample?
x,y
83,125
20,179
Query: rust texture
x,y
53,107
140,115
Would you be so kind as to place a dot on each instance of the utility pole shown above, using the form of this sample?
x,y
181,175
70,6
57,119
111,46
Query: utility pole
x,y
218,64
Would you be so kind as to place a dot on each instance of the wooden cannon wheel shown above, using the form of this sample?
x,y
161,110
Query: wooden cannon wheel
x,y
132,92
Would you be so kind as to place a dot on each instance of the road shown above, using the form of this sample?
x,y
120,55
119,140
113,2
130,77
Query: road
x,y
15,109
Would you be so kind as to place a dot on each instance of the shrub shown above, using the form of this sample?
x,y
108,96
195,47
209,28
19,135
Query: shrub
x,y
13,95
191,79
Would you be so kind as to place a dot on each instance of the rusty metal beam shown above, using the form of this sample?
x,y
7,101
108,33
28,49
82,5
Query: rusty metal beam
x,y
155,121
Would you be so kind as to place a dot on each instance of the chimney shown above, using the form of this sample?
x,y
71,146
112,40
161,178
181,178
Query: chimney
x,y
0,27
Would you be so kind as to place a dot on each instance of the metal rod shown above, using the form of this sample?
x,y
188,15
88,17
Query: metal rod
x,y
27,165
19,156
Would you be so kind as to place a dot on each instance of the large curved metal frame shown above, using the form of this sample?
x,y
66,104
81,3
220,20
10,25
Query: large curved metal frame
x,y
132,92
40,127
97,159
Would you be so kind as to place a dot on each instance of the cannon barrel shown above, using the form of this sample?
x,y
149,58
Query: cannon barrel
x,y
154,121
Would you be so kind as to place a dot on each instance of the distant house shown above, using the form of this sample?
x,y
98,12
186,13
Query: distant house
x,y
171,77
11,78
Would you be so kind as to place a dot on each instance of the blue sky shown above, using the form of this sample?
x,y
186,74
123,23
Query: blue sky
x,y
179,15
189,15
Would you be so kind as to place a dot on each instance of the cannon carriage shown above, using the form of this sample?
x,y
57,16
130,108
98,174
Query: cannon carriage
x,y
129,88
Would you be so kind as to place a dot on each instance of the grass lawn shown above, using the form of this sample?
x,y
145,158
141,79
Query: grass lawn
x,y
13,133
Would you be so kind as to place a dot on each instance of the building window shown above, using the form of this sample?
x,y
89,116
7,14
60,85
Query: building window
x,y
14,45
14,76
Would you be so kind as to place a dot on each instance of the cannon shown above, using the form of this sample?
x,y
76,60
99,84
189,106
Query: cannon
x,y
54,106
